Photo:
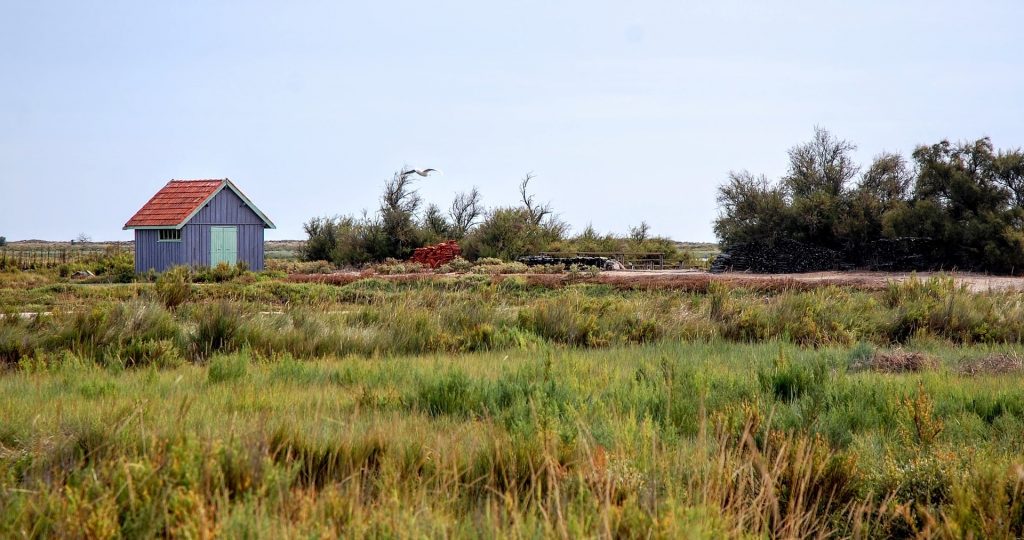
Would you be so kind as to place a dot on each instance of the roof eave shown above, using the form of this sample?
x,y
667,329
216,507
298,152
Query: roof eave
x,y
129,227
267,224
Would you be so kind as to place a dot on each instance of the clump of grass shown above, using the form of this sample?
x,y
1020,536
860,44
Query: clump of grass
x,y
227,367
394,267
288,369
218,329
458,265
449,394
319,463
174,287
16,341
573,322
789,381
160,353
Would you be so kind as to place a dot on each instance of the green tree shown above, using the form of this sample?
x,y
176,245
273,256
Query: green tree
x,y
465,212
884,187
962,200
1008,169
818,181
888,180
967,198
751,209
640,233
822,165
508,233
397,217
435,226
321,239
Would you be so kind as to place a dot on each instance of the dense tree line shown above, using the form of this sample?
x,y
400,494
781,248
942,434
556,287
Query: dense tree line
x,y
403,222
964,202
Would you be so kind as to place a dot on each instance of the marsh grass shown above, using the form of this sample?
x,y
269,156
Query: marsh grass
x,y
374,317
661,440
483,406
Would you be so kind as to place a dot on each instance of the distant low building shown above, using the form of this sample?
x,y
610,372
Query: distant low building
x,y
198,223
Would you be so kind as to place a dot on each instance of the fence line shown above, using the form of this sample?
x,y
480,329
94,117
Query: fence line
x,y
34,258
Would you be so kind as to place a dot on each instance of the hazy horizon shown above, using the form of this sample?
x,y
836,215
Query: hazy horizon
x,y
624,113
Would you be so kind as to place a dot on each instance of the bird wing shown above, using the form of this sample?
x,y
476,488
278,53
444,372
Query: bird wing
x,y
421,172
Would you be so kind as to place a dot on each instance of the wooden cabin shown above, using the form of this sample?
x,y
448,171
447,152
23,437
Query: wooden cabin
x,y
198,223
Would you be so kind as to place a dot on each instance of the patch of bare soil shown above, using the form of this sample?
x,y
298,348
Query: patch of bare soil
x,y
992,364
898,361
857,279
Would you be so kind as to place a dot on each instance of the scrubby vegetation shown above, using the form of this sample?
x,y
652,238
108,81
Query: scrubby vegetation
x,y
402,223
481,404
481,311
952,205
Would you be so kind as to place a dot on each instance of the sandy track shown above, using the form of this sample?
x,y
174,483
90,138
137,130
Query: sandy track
x,y
866,280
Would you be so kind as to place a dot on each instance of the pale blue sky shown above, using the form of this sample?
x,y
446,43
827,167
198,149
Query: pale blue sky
x,y
625,111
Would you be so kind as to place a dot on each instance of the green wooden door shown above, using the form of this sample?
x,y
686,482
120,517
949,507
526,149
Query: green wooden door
x,y
223,245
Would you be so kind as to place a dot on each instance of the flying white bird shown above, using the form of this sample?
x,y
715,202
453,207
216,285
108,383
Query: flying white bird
x,y
421,172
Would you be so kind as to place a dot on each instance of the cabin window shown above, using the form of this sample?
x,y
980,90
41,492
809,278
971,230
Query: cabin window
x,y
170,235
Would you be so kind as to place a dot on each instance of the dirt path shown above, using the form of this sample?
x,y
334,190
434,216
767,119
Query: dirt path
x,y
867,280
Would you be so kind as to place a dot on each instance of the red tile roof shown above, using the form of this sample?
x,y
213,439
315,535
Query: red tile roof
x,y
175,202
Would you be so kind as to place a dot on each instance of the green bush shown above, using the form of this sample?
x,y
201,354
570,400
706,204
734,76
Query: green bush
x,y
220,273
15,342
174,287
507,234
499,268
458,265
116,265
392,266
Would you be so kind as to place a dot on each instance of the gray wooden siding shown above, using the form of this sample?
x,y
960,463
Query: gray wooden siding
x,y
225,208
150,254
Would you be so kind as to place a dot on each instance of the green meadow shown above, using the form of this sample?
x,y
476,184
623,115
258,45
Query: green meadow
x,y
482,406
